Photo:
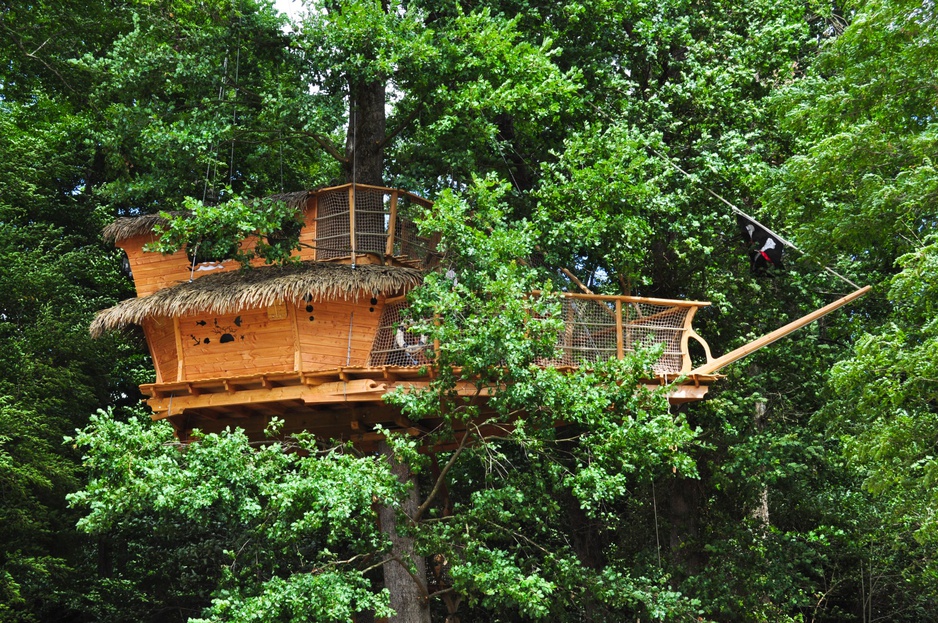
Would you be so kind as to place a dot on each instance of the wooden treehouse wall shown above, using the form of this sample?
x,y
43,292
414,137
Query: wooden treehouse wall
x,y
286,337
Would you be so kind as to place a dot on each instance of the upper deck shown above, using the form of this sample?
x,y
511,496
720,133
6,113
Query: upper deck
x,y
381,229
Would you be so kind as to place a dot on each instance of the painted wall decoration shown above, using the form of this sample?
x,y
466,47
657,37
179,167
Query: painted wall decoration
x,y
217,333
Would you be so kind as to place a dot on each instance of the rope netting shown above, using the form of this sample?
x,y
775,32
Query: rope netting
x,y
589,335
374,210
394,345
407,241
332,226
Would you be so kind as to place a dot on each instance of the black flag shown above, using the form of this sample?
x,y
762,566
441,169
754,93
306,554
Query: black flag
x,y
765,248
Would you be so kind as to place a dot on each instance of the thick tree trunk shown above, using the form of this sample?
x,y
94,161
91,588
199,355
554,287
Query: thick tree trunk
x,y
364,144
405,577
761,512
683,501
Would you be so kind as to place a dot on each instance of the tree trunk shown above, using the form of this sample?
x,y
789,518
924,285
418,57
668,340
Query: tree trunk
x,y
364,148
761,512
683,502
405,577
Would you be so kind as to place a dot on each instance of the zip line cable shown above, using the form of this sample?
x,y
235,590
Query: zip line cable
x,y
208,166
234,109
746,216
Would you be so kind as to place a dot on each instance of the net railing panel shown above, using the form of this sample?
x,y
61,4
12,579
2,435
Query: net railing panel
x,y
394,345
332,226
372,214
375,208
407,240
590,334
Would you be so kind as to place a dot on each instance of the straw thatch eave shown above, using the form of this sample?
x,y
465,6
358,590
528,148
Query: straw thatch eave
x,y
229,292
130,226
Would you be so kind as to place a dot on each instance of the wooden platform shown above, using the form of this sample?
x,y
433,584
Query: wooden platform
x,y
342,403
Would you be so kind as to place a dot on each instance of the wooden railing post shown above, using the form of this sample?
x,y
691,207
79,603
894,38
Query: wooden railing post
x,y
351,218
620,345
392,225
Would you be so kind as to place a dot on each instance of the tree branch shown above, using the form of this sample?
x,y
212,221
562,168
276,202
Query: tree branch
x,y
406,122
33,56
441,479
326,145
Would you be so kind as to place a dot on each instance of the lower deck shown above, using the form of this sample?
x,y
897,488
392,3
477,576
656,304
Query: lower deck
x,y
343,403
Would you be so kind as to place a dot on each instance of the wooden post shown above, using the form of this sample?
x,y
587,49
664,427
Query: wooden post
x,y
620,342
180,357
392,226
721,362
351,218
294,322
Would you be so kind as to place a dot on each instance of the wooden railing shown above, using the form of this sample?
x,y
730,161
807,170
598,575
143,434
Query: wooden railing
x,y
382,223
596,328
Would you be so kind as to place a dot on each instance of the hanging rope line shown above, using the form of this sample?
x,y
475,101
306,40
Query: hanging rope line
x,y
234,107
214,161
354,128
739,212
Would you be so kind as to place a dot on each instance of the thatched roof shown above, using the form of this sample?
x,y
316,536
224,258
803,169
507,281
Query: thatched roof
x,y
130,226
224,293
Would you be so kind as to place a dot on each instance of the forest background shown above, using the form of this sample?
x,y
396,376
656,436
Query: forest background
x,y
802,489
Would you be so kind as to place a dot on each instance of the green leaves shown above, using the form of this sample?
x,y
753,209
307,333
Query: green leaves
x,y
214,233
294,534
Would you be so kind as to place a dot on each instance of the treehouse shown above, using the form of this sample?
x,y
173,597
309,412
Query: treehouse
x,y
318,343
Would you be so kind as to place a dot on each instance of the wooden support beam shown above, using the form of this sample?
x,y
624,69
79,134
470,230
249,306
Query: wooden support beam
x,y
720,362
180,358
294,325
392,226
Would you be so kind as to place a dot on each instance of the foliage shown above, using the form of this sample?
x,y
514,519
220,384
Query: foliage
x,y
217,232
277,532
887,394
815,117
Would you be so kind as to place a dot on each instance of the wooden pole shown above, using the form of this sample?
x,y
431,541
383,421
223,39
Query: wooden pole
x,y
392,226
351,219
720,362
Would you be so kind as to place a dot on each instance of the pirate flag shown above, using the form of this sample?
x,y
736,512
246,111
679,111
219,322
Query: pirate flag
x,y
765,248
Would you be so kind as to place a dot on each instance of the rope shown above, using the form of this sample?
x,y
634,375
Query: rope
x,y
234,108
208,167
354,123
747,216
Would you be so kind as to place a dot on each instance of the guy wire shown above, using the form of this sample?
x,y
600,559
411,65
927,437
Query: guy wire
x,y
744,215
234,107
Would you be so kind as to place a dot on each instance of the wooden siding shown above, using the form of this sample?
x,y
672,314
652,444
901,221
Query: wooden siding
x,y
280,338
154,271
335,326
235,344
162,342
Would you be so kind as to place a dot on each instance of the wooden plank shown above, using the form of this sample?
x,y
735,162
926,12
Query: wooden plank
x,y
392,225
180,357
713,366
632,299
